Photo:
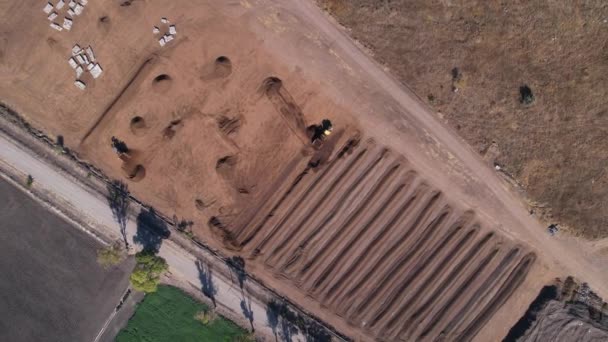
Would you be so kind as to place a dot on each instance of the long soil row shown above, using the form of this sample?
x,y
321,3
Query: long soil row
x,y
368,238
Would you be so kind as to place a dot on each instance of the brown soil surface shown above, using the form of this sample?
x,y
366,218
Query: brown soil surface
x,y
557,148
390,228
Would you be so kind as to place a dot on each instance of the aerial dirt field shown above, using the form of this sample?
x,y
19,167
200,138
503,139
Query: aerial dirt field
x,y
468,59
392,228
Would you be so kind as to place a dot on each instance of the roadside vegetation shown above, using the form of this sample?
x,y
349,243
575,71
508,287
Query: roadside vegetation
x,y
29,181
147,272
110,255
170,315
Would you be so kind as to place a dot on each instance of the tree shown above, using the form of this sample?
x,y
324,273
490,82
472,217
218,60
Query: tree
x,y
206,317
29,181
526,95
147,272
110,255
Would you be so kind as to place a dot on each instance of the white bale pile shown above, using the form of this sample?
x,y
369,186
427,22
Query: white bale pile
x,y
83,60
74,8
169,34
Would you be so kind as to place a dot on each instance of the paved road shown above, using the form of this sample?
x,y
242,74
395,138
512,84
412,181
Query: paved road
x,y
96,210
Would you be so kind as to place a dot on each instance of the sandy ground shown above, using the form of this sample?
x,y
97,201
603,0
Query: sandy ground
x,y
52,288
224,145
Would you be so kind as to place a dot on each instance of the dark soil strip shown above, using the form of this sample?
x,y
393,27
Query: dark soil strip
x,y
118,97
339,204
429,205
445,263
400,263
445,284
401,212
302,199
354,240
247,221
516,278
485,289
459,292
278,247
319,254
453,232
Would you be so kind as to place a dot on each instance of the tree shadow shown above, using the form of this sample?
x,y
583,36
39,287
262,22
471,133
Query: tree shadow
x,y
237,265
280,321
247,311
151,230
287,323
206,277
118,200
272,316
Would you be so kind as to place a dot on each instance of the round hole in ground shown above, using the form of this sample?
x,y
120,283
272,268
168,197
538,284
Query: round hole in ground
x,y
161,83
138,173
272,84
223,66
137,125
200,205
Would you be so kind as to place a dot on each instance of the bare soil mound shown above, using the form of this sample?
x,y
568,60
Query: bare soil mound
x,y
162,83
170,131
134,173
223,67
138,126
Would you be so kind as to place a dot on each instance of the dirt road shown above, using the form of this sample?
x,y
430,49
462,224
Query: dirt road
x,y
95,208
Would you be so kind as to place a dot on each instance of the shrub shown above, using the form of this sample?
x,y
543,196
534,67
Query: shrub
x,y
29,181
206,317
110,255
147,272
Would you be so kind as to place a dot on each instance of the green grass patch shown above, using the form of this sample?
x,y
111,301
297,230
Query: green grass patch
x,y
169,315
